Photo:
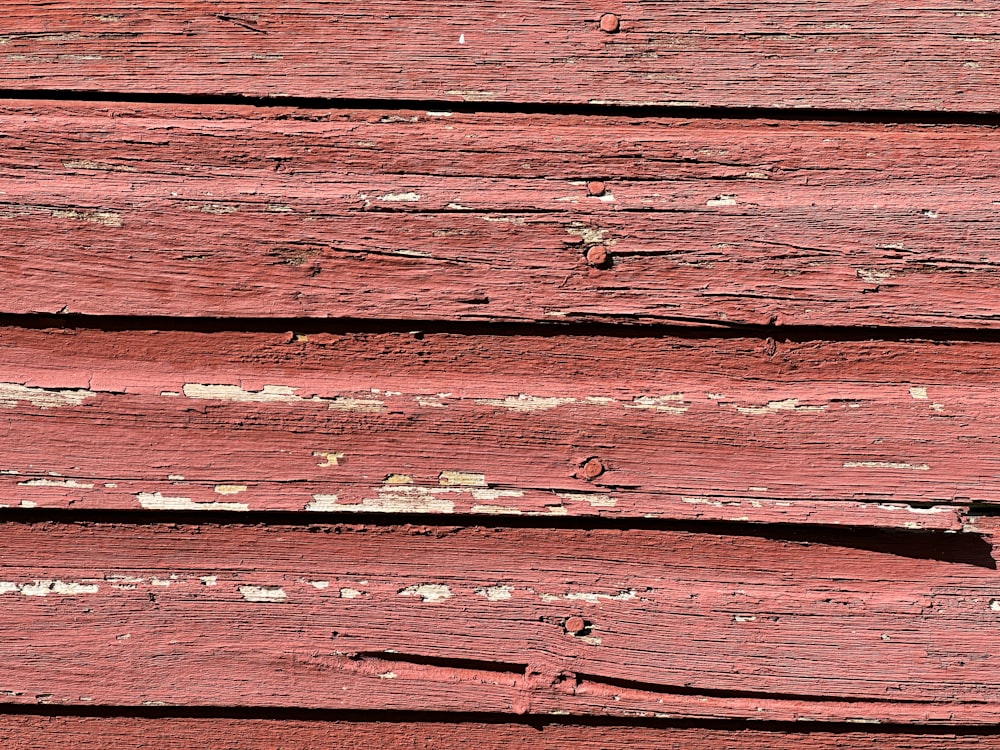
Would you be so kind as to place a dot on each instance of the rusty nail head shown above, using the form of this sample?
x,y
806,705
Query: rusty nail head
x,y
595,188
592,469
575,625
609,23
597,255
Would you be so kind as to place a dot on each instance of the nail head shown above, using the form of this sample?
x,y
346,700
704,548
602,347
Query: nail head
x,y
597,255
595,188
575,625
609,23
592,469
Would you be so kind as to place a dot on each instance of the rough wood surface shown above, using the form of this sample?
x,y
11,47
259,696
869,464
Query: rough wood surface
x,y
80,733
507,620
851,54
863,433
234,212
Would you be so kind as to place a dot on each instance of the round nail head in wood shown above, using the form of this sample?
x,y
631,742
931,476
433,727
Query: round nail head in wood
x,y
595,188
597,255
592,469
609,23
575,625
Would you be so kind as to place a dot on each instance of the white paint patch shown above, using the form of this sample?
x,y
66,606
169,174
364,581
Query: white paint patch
x,y
320,584
28,504
744,618
209,580
175,477
428,592
8,587
398,479
923,511
590,235
721,200
107,218
874,275
595,501
387,676
271,394
461,479
263,593
994,604
56,483
349,593
771,407
400,197
472,95
159,581
391,499
524,403
885,465
670,403
918,393
43,398
589,597
329,459
430,402
230,489
461,38
61,588
495,593
157,501
490,495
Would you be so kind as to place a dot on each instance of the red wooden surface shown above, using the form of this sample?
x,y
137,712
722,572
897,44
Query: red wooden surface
x,y
43,733
220,240
852,54
410,215
644,623
886,434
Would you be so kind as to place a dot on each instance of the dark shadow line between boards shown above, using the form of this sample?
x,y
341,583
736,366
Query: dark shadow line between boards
x,y
626,328
963,548
457,718
819,114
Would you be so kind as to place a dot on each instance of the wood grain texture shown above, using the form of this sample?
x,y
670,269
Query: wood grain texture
x,y
634,623
235,212
899,434
851,54
81,733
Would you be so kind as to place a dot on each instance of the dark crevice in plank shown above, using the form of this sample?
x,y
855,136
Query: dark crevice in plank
x,y
968,548
625,329
458,718
915,117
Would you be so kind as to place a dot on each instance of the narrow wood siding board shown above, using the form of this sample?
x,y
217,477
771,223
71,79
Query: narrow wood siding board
x,y
489,217
852,55
86,733
443,619
857,433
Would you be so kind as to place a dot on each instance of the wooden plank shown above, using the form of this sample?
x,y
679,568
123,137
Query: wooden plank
x,y
851,55
900,434
636,623
85,733
234,212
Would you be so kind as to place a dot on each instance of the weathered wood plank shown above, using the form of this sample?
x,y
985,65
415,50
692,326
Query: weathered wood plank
x,y
848,55
864,433
84,733
506,620
170,210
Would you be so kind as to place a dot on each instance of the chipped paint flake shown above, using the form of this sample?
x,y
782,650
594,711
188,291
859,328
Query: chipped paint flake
x,y
61,588
595,501
590,597
495,510
277,394
885,465
391,499
157,501
670,403
263,593
400,197
107,218
461,479
209,580
329,459
230,489
918,393
495,593
71,483
349,593
524,403
721,200
771,407
43,398
428,592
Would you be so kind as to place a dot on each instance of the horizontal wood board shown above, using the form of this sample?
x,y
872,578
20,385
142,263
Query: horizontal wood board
x,y
241,212
847,55
590,622
896,434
